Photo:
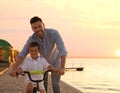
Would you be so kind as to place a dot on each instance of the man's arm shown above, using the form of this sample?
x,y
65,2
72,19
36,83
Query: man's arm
x,y
20,58
14,69
61,71
63,60
62,52
18,62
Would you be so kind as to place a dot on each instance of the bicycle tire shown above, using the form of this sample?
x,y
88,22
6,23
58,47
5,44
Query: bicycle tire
x,y
46,82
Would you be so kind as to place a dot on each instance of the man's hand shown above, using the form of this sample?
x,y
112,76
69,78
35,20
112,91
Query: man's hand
x,y
13,73
60,71
19,60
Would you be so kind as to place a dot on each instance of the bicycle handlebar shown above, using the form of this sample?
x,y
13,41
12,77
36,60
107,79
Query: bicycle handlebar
x,y
29,73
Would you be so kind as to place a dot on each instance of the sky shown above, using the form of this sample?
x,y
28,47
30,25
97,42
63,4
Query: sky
x,y
89,28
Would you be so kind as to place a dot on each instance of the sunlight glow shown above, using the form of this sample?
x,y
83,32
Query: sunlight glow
x,y
118,52
93,25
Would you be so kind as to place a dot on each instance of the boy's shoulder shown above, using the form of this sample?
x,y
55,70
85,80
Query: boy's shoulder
x,y
41,57
27,59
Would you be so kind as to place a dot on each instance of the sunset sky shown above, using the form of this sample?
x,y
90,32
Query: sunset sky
x,y
89,28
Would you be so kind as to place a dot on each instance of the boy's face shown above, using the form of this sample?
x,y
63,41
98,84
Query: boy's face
x,y
34,51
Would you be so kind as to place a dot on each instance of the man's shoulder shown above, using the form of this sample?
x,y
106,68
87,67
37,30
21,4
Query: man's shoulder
x,y
33,37
52,33
50,30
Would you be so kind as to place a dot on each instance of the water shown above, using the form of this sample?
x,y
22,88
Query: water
x,y
99,75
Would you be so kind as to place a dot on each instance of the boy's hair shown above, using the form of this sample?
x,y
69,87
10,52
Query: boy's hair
x,y
34,44
35,19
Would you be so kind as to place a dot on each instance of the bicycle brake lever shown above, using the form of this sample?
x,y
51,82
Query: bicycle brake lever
x,y
23,74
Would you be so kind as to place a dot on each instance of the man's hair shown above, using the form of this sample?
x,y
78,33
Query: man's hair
x,y
35,19
34,44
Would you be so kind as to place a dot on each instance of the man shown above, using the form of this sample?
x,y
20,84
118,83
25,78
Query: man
x,y
52,49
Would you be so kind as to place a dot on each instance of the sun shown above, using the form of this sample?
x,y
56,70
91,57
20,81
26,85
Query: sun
x,y
118,52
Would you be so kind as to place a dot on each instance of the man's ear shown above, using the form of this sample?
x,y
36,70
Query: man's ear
x,y
44,25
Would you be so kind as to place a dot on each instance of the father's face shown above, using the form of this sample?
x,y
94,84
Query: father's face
x,y
38,28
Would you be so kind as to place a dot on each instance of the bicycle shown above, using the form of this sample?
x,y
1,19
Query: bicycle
x,y
29,73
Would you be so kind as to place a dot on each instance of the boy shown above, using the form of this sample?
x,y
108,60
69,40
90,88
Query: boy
x,y
35,62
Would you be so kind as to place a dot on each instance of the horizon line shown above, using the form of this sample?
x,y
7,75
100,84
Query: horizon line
x,y
90,57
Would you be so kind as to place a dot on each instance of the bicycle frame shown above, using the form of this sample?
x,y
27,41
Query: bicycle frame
x,y
29,73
